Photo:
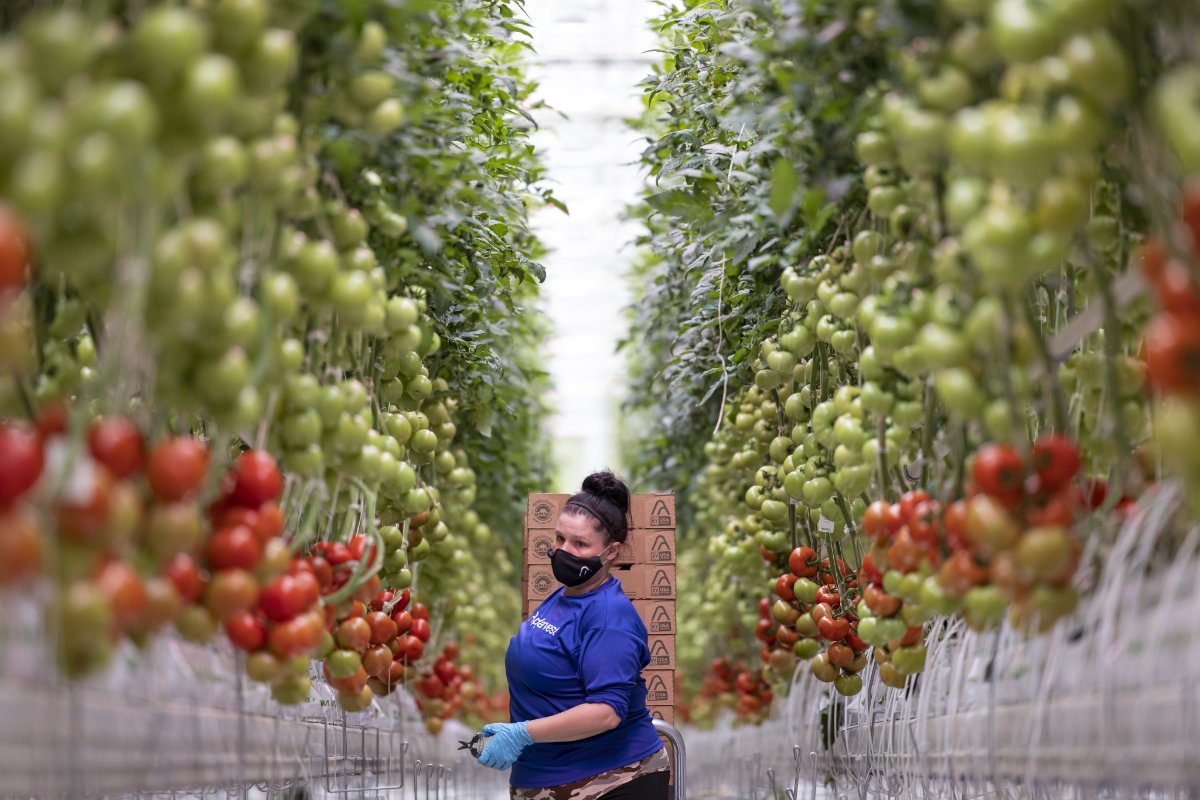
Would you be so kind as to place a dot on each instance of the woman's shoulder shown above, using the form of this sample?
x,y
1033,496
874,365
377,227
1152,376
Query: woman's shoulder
x,y
610,608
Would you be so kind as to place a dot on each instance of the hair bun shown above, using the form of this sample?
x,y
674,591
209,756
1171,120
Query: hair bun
x,y
608,486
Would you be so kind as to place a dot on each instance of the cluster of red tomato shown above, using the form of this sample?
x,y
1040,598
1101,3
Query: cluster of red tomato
x,y
1172,339
733,684
1007,546
810,614
376,644
107,523
1172,344
444,689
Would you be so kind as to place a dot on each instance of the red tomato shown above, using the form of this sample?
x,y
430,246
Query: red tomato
x,y
270,521
381,599
1152,258
1056,461
184,574
353,684
420,629
909,501
126,593
284,597
20,547
419,611
764,630
803,562
875,520
923,522
382,627
322,571
431,686
403,620
828,594
177,467
450,651
117,444
411,649
783,587
353,634
912,636
14,250
1172,350
764,608
231,591
377,661
856,643
297,636
337,553
236,547
20,461
833,628
52,420
402,603
1190,213
1176,290
998,471
86,518
953,522
869,572
840,654
256,479
246,632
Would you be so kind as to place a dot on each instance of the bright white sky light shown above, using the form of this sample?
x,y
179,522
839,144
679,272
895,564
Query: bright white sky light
x,y
591,56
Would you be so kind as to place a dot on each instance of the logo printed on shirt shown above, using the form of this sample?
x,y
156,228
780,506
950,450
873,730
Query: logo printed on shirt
x,y
541,623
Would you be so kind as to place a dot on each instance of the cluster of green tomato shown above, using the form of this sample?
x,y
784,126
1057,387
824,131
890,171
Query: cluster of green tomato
x,y
198,265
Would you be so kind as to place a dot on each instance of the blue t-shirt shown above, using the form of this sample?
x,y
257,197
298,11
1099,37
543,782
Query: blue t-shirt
x,y
588,648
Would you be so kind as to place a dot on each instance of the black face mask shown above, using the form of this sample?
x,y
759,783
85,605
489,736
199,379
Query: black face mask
x,y
572,570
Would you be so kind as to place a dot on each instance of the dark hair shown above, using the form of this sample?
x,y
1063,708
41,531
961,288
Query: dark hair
x,y
605,498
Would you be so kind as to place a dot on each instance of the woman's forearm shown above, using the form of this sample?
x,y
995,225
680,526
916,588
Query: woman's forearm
x,y
580,722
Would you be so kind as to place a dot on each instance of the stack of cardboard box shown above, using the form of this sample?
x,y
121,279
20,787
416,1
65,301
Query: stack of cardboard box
x,y
646,569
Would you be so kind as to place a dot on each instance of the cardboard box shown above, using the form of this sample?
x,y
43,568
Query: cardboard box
x,y
660,687
543,510
647,581
662,652
541,583
645,510
665,713
658,615
653,510
653,546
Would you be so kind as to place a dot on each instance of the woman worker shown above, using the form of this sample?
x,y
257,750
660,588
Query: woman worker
x,y
580,728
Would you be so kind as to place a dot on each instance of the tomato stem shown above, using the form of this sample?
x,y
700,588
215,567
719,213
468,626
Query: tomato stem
x,y
1058,407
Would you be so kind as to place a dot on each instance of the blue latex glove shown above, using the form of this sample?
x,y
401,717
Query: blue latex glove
x,y
503,743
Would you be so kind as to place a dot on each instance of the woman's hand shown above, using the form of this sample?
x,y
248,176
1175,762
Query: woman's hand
x,y
503,743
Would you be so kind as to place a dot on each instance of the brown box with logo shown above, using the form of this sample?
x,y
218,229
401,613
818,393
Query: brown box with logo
x,y
647,581
649,510
660,687
544,509
652,510
658,616
665,713
662,652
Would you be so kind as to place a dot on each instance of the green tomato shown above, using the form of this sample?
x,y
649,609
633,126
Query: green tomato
x,y
909,660
806,648
960,392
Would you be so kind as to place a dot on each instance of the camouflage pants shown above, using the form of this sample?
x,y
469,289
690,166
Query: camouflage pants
x,y
597,785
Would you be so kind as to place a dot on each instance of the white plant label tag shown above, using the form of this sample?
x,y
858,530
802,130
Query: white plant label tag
x,y
825,524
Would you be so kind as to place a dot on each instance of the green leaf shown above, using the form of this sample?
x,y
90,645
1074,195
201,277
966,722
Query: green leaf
x,y
783,190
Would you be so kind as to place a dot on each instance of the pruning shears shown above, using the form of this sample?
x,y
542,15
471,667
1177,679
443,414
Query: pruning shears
x,y
474,745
